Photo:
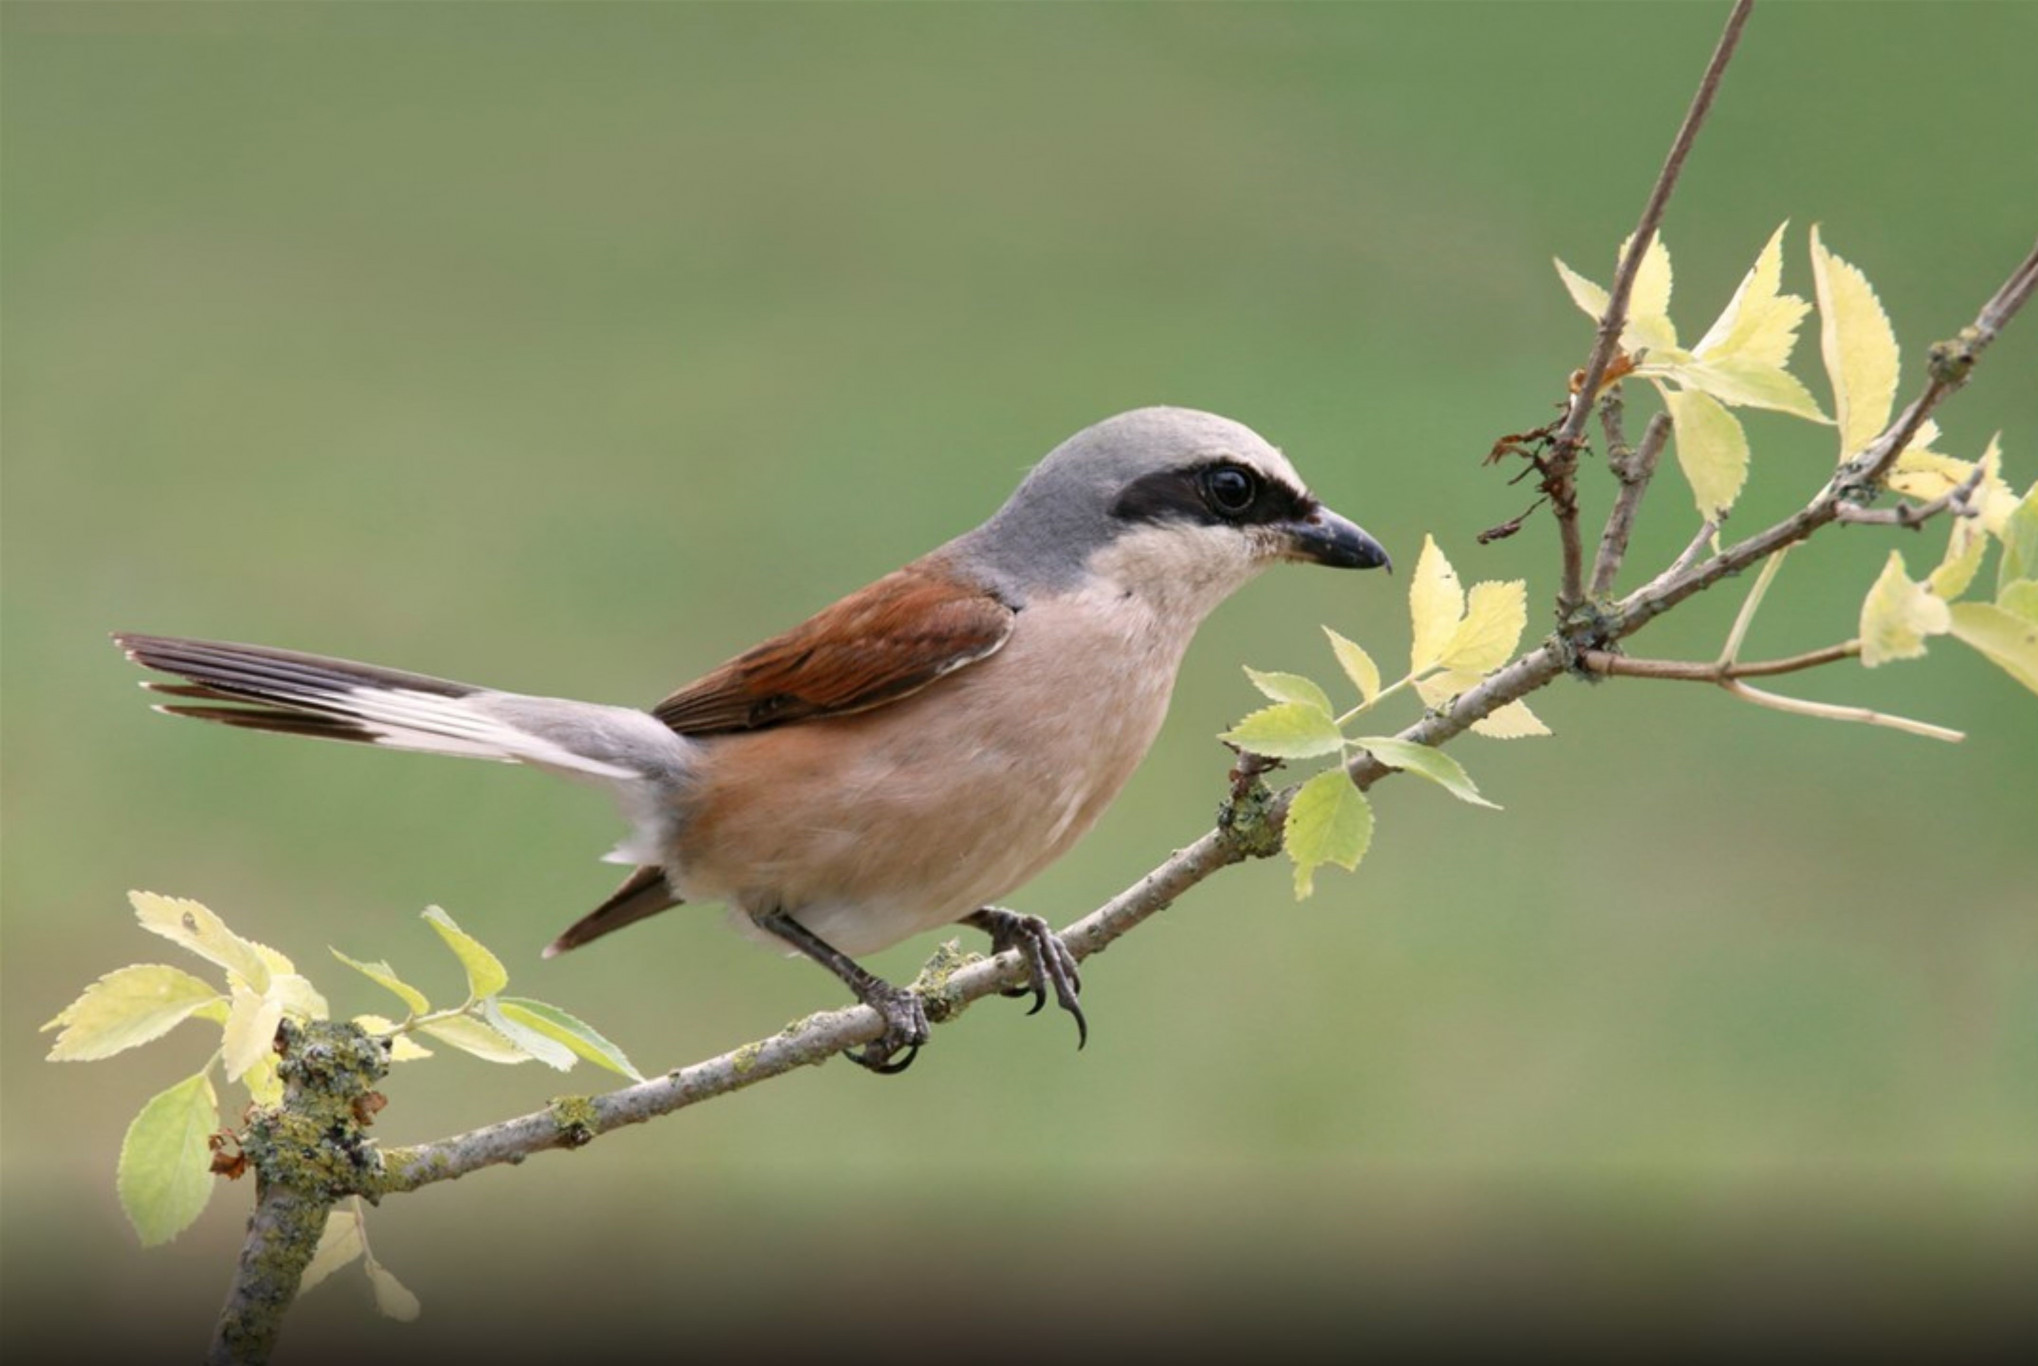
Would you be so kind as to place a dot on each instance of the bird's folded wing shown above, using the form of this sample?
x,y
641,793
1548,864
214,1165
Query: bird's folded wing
x,y
875,646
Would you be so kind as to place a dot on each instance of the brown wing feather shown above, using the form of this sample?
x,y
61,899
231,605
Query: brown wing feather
x,y
875,646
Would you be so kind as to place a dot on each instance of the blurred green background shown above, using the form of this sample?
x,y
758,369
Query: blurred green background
x,y
570,348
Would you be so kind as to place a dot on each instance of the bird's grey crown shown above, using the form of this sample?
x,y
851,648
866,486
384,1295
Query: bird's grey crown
x,y
1061,513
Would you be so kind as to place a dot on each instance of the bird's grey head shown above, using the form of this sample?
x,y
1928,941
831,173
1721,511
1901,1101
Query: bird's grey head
x,y
1170,504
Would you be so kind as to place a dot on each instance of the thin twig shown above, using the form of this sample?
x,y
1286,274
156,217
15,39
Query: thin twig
x,y
1914,515
1634,474
1826,711
1712,671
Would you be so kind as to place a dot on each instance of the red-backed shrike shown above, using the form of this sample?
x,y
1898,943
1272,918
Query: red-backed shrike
x,y
901,759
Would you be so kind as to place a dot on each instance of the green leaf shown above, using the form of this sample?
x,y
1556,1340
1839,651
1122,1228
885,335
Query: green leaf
x,y
165,1174
1758,327
1288,730
393,1299
485,973
1592,299
1512,722
578,1035
1897,616
2020,599
342,1241
470,1035
1330,821
2020,543
1495,613
2011,641
1859,346
1290,688
196,928
380,973
1712,449
402,1047
1357,664
1428,761
543,1047
126,1007
1649,327
1748,384
1965,545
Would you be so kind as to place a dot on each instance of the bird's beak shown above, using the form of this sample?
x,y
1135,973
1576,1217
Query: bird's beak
x,y
1323,537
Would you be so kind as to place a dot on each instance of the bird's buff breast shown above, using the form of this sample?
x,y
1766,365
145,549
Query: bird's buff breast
x,y
875,827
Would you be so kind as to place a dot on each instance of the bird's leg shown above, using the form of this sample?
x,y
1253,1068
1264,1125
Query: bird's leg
x,y
904,1016
1048,960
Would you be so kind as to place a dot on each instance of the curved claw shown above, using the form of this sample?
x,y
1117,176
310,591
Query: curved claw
x,y
905,1028
1048,961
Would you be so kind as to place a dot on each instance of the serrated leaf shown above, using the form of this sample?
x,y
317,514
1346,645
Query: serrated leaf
x,y
263,1082
402,1047
342,1241
165,1174
127,1007
470,1035
250,1030
543,1047
1712,450
393,1299
1859,347
578,1035
485,973
297,996
2020,542
1758,327
2008,640
1429,762
1290,688
1648,326
384,976
1746,384
1288,730
1436,604
2020,599
1357,664
195,927
1965,545
1512,722
1438,690
1590,298
1897,616
1329,821
1495,614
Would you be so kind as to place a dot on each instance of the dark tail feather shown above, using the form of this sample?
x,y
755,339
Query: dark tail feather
x,y
643,893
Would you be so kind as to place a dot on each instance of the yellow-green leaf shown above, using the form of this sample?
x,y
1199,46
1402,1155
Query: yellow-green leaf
x,y
1512,722
578,1035
541,1046
126,1007
1357,664
298,997
1288,730
1590,298
1649,327
1290,688
2020,542
1711,449
250,1030
384,976
1747,384
342,1241
193,926
264,1084
1758,327
165,1174
1438,690
1436,604
1330,821
470,1035
1495,613
2020,599
1897,616
1859,347
485,973
1429,762
2011,641
393,1299
1965,545
402,1047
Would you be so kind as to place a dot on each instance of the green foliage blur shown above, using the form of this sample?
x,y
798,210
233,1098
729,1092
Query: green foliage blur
x,y
571,348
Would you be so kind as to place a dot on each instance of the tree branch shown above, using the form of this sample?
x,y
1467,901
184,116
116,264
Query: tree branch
x,y
1717,671
1634,469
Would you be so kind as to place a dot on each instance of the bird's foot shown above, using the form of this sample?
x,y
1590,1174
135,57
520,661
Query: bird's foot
x,y
905,1018
1048,961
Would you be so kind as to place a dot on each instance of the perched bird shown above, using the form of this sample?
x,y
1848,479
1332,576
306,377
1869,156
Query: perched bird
x,y
901,759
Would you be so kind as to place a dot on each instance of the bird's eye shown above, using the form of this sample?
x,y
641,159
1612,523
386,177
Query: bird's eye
x,y
1230,489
